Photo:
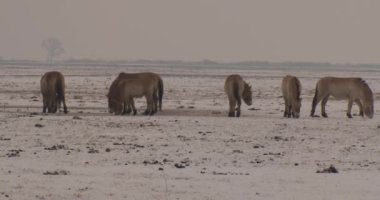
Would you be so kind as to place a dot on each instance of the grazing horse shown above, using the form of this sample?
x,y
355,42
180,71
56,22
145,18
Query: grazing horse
x,y
354,89
157,96
125,90
53,92
291,91
236,89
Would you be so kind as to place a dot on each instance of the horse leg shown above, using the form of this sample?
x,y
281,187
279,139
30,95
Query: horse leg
x,y
289,111
238,108
357,101
127,108
55,108
152,107
231,113
286,108
146,112
150,102
48,106
316,100
349,107
323,106
63,99
128,100
44,105
52,108
155,102
133,107
65,107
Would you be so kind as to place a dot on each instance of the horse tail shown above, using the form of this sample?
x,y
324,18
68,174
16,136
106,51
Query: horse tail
x,y
160,92
236,88
298,88
367,99
60,91
315,100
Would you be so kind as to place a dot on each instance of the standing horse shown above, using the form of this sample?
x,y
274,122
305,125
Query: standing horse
x,y
237,89
53,92
291,91
125,90
149,76
354,89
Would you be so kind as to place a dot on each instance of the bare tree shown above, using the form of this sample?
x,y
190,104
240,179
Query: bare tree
x,y
53,48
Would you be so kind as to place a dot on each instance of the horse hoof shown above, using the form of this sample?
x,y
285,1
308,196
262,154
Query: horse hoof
x,y
349,116
324,115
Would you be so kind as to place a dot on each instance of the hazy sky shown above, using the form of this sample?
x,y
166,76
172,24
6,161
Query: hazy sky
x,y
224,30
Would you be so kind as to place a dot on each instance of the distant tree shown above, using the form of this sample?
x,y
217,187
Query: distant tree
x,y
53,48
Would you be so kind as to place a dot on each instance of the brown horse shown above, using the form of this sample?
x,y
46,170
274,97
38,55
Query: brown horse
x,y
291,91
53,92
157,96
236,89
121,94
354,89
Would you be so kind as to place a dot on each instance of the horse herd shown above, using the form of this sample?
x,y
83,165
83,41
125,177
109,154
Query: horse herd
x,y
128,86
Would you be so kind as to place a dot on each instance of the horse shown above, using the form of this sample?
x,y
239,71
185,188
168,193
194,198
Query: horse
x,y
52,86
354,89
237,89
157,96
125,90
291,91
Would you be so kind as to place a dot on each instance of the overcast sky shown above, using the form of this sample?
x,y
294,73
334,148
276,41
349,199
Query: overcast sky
x,y
223,30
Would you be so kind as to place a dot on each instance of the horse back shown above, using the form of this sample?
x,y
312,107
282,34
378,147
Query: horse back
x,y
291,88
146,77
234,86
341,88
52,82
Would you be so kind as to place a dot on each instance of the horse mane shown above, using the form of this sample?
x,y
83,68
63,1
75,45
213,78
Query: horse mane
x,y
367,90
112,90
363,81
247,87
